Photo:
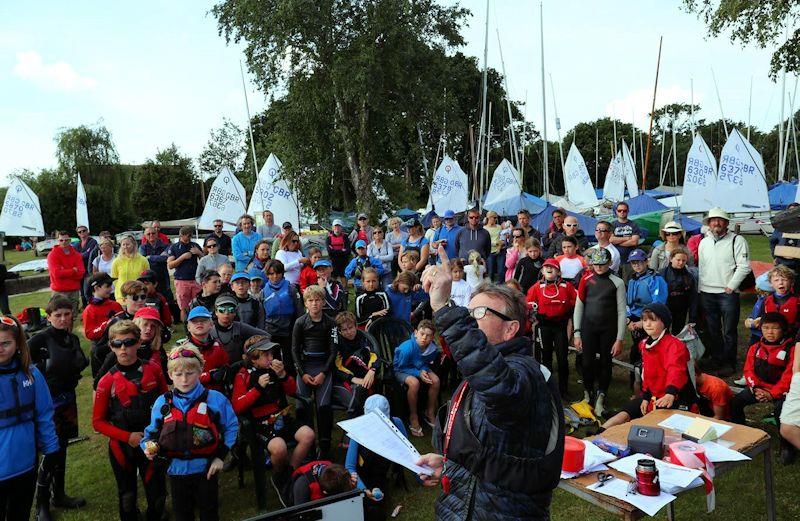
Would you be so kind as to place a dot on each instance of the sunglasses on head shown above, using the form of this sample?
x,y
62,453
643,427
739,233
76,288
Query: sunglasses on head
x,y
183,353
226,309
137,298
127,342
8,321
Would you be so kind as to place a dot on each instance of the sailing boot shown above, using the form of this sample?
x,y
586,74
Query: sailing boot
x,y
60,498
43,502
599,408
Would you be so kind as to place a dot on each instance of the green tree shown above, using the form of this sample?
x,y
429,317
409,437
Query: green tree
x,y
166,187
763,22
358,57
225,148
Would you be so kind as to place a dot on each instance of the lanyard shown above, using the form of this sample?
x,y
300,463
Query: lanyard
x,y
451,419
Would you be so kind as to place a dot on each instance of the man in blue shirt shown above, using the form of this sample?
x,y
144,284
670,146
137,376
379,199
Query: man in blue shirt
x,y
244,242
182,257
447,234
626,233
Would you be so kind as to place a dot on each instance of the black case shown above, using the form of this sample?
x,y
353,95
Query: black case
x,y
646,440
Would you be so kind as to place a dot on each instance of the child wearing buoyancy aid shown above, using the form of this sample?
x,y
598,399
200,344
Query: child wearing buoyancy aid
x,y
195,460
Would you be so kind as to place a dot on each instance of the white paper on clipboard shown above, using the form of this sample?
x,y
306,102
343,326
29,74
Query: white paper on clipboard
x,y
377,433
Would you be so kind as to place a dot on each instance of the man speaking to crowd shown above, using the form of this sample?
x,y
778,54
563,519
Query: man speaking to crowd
x,y
501,438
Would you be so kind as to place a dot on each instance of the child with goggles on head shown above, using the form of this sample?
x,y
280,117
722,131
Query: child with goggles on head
x,y
194,428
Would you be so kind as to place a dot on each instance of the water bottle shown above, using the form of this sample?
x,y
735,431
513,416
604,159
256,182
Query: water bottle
x,y
377,494
278,425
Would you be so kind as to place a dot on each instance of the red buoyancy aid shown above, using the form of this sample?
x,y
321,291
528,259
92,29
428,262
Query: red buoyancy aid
x,y
312,472
191,435
554,300
336,242
131,400
788,308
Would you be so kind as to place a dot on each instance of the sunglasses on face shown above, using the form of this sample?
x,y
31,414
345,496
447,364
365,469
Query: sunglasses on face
x,y
226,309
602,230
473,217
127,342
672,233
362,218
518,236
571,225
212,245
83,231
480,311
183,353
622,210
137,298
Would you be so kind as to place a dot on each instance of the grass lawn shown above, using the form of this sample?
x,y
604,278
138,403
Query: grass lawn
x,y
740,493
14,257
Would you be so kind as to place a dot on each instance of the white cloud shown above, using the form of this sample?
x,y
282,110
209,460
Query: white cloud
x,y
637,104
51,76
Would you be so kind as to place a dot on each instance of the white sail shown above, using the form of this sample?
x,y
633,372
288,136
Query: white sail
x,y
272,193
741,185
614,185
580,191
225,201
505,183
449,190
22,214
81,206
699,179
629,171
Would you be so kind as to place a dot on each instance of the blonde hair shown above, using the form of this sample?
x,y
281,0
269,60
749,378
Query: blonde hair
x,y
155,343
124,327
135,245
475,259
781,271
185,363
414,254
491,213
313,292
393,220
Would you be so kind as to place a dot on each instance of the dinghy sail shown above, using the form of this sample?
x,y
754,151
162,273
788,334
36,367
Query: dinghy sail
x,y
614,186
449,190
81,206
580,191
505,183
273,193
741,184
629,171
22,214
225,201
700,178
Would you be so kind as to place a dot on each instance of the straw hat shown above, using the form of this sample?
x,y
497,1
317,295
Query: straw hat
x,y
716,212
672,227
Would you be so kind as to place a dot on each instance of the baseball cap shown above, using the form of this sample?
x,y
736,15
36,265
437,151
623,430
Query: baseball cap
x,y
100,279
256,273
240,275
599,256
362,216
322,263
361,244
262,345
552,263
449,214
149,314
637,255
337,222
226,298
287,225
198,312
148,276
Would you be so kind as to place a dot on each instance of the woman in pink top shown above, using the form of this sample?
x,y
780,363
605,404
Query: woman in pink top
x,y
514,252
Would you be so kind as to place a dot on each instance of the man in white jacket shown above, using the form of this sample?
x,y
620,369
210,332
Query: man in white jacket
x,y
724,262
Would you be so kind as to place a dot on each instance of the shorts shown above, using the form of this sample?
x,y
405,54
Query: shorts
x,y
790,414
266,432
401,378
185,291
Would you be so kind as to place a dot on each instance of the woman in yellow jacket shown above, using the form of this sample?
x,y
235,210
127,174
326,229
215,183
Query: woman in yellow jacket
x,y
128,265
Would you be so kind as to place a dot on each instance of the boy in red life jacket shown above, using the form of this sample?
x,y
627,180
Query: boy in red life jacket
x,y
154,298
194,428
124,397
767,368
783,300
308,275
215,367
259,394
665,369
101,307
553,301
318,479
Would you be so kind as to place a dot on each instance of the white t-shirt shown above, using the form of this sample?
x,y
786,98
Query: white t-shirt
x,y
291,264
101,265
460,292
474,276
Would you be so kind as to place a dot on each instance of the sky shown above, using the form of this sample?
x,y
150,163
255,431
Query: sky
x,y
157,72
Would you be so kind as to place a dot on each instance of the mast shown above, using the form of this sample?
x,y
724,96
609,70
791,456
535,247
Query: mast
x,y
780,128
674,155
691,103
633,139
558,127
652,113
661,166
514,155
250,127
485,169
614,122
546,180
485,96
719,101
786,140
596,153
749,108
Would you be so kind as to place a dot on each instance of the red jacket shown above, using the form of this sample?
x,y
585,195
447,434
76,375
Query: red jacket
x,y
308,277
66,269
96,317
554,300
769,367
245,398
214,356
664,367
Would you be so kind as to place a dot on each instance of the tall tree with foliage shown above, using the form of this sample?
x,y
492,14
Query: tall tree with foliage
x,y
225,148
763,22
362,54
166,187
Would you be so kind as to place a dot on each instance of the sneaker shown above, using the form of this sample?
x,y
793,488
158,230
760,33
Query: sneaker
x,y
587,397
599,409
741,382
